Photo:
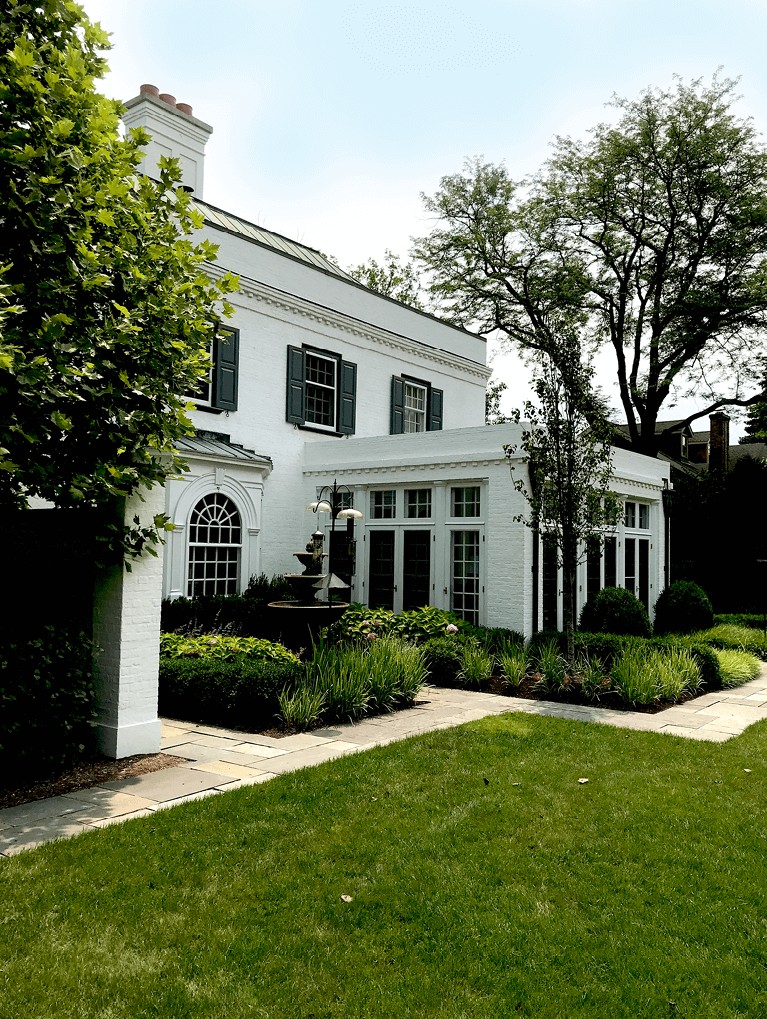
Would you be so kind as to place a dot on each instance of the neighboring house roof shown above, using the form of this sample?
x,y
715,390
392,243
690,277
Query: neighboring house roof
x,y
661,426
210,444
757,450
268,238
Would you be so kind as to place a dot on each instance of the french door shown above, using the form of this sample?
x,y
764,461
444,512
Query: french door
x,y
400,568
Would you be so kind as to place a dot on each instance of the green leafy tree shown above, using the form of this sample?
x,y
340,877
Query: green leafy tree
x,y
113,313
655,229
568,465
493,393
756,421
391,278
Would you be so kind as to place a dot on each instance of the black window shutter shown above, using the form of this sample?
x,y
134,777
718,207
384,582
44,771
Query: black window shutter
x,y
348,398
296,372
435,410
226,359
397,406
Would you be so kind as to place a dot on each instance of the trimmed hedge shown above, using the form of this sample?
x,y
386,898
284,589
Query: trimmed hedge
x,y
751,622
443,657
238,691
47,698
683,607
615,610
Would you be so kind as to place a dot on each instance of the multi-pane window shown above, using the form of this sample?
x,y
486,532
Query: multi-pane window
x,y
415,408
637,515
215,540
465,575
383,505
321,375
203,394
418,502
465,502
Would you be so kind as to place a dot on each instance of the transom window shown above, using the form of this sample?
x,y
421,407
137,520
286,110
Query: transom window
x,y
215,541
415,408
321,373
383,505
418,502
465,502
637,515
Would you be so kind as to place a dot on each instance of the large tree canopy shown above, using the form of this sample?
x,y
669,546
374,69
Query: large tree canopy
x,y
650,238
110,312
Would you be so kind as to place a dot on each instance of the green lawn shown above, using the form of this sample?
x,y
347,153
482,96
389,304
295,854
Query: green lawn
x,y
639,894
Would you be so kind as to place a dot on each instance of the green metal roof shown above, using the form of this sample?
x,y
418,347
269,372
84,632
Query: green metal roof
x,y
233,224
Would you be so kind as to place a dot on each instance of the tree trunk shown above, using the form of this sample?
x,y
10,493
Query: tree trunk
x,y
569,560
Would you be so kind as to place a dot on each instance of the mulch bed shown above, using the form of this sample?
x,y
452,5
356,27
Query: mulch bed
x,y
85,774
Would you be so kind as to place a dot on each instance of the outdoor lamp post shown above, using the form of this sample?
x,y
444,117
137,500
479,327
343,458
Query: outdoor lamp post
x,y
330,500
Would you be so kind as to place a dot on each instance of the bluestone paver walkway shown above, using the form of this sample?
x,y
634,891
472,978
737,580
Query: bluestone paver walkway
x,y
215,760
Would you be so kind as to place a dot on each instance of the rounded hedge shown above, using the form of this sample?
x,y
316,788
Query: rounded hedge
x,y
683,607
615,610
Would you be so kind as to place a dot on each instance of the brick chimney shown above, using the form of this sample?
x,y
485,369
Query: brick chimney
x,y
719,443
174,131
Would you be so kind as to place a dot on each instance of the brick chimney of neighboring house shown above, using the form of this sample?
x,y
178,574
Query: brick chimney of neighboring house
x,y
719,443
174,131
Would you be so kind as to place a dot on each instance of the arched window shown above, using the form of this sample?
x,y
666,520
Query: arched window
x,y
215,540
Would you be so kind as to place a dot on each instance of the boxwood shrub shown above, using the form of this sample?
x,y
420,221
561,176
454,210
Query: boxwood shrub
x,y
683,607
239,691
443,657
615,610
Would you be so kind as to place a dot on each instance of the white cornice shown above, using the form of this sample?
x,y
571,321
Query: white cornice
x,y
264,469
450,465
282,301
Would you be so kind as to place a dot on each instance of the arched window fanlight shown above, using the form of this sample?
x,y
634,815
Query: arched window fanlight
x,y
215,541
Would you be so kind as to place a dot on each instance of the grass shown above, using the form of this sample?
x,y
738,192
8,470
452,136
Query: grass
x,y
485,882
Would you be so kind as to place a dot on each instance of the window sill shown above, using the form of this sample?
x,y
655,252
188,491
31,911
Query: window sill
x,y
208,410
322,431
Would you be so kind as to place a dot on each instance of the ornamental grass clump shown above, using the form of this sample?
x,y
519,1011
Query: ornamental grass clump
x,y
633,677
737,667
675,673
593,677
552,668
513,665
739,638
301,707
476,666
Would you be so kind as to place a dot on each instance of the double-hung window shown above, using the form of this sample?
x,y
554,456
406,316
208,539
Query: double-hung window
x,y
416,406
218,391
322,390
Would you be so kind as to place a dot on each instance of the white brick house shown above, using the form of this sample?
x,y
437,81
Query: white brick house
x,y
312,375
316,378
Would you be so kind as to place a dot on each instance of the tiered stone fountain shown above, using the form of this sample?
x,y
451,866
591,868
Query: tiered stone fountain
x,y
299,619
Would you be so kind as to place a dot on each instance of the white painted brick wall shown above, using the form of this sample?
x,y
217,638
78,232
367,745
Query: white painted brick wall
x,y
126,624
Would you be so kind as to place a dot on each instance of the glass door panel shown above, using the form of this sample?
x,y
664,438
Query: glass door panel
x,y
381,577
464,590
416,569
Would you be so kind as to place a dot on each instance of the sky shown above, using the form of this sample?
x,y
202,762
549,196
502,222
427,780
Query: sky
x,y
331,118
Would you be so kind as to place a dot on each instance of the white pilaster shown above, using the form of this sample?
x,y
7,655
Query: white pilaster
x,y
126,625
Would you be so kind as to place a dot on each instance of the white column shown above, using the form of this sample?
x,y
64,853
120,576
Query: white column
x,y
126,626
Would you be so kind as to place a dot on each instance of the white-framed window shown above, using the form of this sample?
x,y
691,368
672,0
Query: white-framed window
x,y
202,396
383,505
464,581
637,515
415,408
465,501
418,502
321,390
215,544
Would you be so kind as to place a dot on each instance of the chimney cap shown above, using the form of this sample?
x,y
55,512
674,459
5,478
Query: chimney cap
x,y
151,90
168,98
185,108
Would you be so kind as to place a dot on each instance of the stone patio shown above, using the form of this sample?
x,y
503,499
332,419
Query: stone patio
x,y
215,760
